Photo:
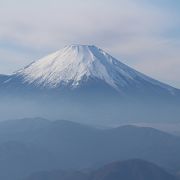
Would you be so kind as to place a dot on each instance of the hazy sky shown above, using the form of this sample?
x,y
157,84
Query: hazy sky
x,y
144,34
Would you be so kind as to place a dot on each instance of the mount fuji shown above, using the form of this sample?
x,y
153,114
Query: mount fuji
x,y
76,65
84,82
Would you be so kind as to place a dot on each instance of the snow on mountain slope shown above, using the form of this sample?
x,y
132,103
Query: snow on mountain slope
x,y
75,64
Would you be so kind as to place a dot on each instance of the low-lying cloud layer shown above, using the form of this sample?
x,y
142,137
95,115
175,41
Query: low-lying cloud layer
x,y
143,34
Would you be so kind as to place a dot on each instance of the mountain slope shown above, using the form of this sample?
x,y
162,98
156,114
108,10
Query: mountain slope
x,y
132,170
75,65
77,146
18,160
89,83
125,170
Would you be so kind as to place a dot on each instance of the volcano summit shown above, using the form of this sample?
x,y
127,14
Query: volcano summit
x,y
88,77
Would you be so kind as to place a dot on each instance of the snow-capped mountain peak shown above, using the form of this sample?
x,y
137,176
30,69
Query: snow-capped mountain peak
x,y
70,65
75,64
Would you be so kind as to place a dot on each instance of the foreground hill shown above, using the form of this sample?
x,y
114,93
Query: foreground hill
x,y
125,170
44,145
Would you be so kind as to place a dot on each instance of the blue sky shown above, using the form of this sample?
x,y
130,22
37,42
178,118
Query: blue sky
x,y
144,34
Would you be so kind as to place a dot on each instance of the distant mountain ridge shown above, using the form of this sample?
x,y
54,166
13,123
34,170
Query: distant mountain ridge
x,y
33,145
